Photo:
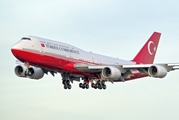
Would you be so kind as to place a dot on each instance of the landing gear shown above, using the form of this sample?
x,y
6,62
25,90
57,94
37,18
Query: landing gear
x,y
66,81
84,85
66,84
100,84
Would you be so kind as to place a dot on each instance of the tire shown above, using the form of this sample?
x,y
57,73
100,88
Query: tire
x,y
104,87
68,82
80,85
84,85
65,87
69,86
92,85
99,87
103,82
87,86
63,82
96,85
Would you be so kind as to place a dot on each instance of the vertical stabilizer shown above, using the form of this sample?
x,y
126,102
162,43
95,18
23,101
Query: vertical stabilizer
x,y
147,54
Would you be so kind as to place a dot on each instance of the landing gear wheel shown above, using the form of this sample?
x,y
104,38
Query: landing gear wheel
x,y
104,87
93,85
87,86
65,87
63,82
83,86
80,85
100,87
102,82
96,86
69,86
68,82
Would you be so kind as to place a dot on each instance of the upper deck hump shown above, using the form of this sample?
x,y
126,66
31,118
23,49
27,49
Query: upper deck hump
x,y
52,42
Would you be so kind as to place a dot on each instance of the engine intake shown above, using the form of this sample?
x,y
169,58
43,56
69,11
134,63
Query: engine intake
x,y
157,71
111,73
35,73
20,71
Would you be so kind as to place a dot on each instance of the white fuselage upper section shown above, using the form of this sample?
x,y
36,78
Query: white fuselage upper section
x,y
54,48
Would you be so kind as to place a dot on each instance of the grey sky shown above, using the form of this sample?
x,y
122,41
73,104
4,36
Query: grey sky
x,y
116,28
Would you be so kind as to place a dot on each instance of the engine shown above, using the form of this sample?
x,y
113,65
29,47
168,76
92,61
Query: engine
x,y
111,73
32,72
157,71
20,71
35,73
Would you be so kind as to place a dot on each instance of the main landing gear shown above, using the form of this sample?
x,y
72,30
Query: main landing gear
x,y
66,84
100,84
84,85
67,80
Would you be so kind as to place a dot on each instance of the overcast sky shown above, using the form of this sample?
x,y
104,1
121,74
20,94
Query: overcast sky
x,y
116,28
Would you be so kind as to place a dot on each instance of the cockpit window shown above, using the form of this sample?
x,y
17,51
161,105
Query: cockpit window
x,y
25,38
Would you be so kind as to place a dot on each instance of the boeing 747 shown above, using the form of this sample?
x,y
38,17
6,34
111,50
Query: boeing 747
x,y
38,56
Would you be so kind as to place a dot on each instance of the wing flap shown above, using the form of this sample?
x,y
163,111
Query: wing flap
x,y
174,66
89,68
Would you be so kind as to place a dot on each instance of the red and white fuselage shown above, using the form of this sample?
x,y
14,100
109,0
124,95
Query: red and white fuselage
x,y
58,56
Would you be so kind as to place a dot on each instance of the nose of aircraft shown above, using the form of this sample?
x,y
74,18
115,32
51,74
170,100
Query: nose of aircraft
x,y
14,49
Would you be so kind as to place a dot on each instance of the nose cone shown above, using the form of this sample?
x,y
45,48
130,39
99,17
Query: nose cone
x,y
15,50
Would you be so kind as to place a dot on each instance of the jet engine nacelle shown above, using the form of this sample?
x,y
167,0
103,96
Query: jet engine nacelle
x,y
111,73
35,73
20,70
32,72
157,71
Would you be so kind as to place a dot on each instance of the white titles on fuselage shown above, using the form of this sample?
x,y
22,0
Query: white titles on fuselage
x,y
62,48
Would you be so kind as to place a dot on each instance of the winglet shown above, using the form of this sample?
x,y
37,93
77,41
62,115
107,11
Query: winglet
x,y
147,54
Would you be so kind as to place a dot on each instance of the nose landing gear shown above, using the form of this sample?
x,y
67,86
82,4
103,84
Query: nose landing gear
x,y
66,81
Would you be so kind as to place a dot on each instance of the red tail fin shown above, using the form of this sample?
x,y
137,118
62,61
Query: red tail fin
x,y
147,54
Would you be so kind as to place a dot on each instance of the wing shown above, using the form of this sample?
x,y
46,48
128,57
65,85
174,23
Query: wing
x,y
128,72
168,66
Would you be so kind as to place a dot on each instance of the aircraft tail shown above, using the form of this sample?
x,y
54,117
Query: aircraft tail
x,y
147,54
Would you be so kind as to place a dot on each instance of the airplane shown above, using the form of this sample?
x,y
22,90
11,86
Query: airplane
x,y
38,56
